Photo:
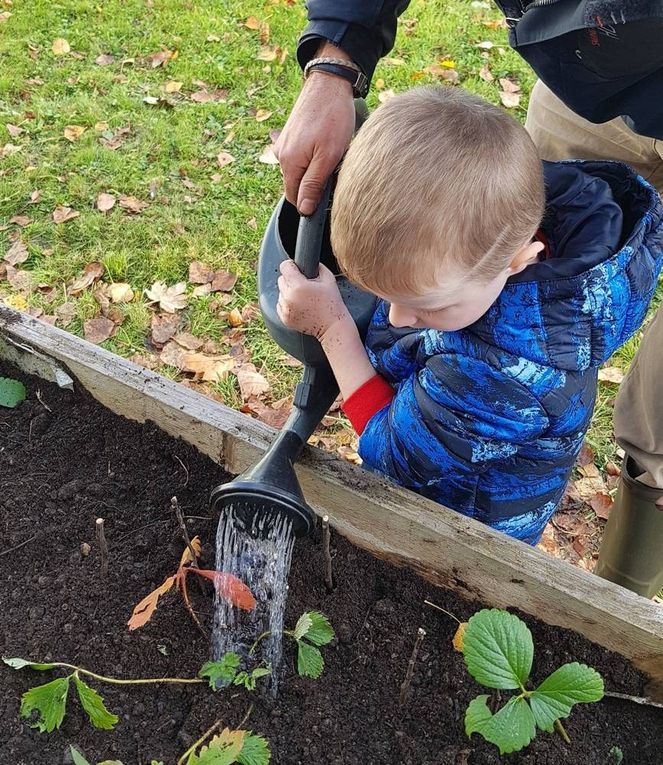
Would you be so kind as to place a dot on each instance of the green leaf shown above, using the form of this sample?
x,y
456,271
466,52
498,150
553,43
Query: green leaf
x,y
50,701
498,649
21,663
248,680
320,632
94,707
303,625
510,729
309,660
76,757
570,684
255,751
223,749
12,392
222,672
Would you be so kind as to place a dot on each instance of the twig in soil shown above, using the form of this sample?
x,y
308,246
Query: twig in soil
x,y
103,546
18,547
421,634
175,507
644,700
42,402
326,540
444,611
209,732
184,467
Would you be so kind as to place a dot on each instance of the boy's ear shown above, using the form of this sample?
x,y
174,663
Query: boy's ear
x,y
525,257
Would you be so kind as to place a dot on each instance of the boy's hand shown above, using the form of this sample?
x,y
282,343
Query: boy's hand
x,y
311,306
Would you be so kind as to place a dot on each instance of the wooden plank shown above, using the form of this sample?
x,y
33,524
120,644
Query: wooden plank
x,y
392,523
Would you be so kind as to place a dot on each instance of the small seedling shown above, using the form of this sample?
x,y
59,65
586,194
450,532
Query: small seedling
x,y
12,392
615,756
311,631
228,587
226,671
498,651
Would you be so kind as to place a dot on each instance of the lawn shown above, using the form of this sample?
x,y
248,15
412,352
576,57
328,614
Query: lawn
x,y
166,109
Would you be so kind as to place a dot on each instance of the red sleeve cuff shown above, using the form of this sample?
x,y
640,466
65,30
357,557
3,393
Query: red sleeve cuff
x,y
372,396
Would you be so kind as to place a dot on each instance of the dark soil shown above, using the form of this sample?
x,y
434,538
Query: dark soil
x,y
61,469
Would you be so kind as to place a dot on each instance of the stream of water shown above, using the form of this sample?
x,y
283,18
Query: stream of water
x,y
262,561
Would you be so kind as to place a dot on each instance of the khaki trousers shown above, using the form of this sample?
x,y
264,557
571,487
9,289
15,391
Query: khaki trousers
x,y
561,134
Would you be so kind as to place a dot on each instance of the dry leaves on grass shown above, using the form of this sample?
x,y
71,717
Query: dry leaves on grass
x,y
62,214
98,329
20,220
104,59
161,58
111,140
224,158
60,47
120,292
91,273
510,93
251,383
132,204
105,202
17,253
73,132
611,375
204,96
216,281
164,326
64,314
19,280
169,299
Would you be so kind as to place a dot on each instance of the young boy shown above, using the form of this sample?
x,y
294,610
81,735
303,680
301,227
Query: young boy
x,y
505,284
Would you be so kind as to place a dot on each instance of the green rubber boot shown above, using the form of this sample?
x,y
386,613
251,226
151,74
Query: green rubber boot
x,y
632,549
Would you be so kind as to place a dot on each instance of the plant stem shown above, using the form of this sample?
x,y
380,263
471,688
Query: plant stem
x,y
421,634
635,699
262,637
444,611
175,507
138,681
562,731
326,541
209,732
103,546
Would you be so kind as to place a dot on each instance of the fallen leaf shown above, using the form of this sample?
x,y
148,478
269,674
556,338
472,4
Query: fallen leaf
x,y
459,637
274,414
349,455
268,157
104,59
188,341
5,16
35,197
99,329
173,355
208,368
20,220
508,86
142,613
585,456
115,140
14,131
173,86
19,280
131,204
268,52
438,70
386,95
262,115
251,383
186,556
235,318
611,375
105,202
486,45
252,23
588,487
8,149
62,214
17,253
206,96
161,58
64,314
510,100
91,273
485,74
548,543
199,273
229,587
212,39
164,326
224,158
169,299
202,289
223,281
120,292
60,47
612,469
601,504
101,127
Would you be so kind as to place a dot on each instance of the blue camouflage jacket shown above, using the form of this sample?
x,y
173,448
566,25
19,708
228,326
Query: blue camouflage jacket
x,y
488,420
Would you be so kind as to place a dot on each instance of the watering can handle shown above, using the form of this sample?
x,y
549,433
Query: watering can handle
x,y
309,237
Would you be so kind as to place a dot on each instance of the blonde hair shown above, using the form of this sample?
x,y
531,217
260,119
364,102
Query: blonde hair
x,y
435,177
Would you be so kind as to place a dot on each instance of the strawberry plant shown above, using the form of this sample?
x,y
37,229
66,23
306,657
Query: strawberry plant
x,y
226,671
12,392
498,650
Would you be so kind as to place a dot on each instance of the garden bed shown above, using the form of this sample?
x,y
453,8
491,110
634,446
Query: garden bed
x,y
61,469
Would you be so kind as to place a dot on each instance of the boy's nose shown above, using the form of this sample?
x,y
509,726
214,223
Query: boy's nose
x,y
401,317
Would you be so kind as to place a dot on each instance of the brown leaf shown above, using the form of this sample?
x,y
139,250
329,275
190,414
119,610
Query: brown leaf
x,y
105,202
508,86
199,273
585,456
223,281
116,140
202,289
91,273
142,613
161,58
173,86
274,414
611,375
169,299
485,74
120,292
251,382
601,504
60,47
35,197
20,220
131,204
235,318
188,341
443,72
17,253
73,132
99,329
8,149
218,96
459,637
510,100
252,23
588,487
173,355
548,542
262,115
104,59
223,158
268,157
102,298
19,280
164,326
64,314
62,214
187,557
589,470
612,469
231,589
208,368
14,131
268,52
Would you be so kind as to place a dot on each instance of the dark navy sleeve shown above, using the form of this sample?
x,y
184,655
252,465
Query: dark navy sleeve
x,y
364,29
453,419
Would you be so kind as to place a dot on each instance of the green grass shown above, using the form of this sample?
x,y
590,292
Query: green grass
x,y
218,219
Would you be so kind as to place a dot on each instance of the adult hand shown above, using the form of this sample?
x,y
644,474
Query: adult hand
x,y
315,136
311,306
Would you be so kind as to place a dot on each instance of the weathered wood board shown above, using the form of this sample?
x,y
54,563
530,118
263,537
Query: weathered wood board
x,y
393,523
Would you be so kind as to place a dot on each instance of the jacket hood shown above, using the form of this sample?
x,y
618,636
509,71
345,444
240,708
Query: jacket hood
x,y
574,309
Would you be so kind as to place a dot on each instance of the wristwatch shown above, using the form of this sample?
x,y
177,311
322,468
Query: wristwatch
x,y
341,68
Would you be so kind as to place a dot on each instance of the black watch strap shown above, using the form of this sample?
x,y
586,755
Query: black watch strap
x,y
350,72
